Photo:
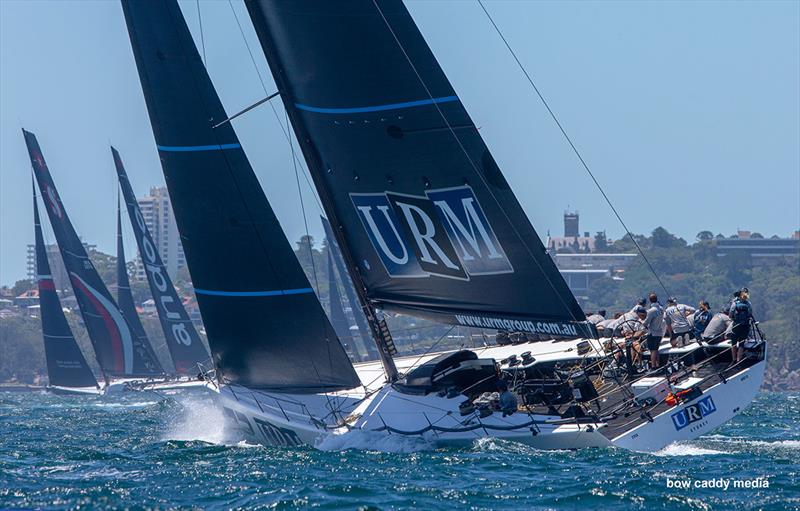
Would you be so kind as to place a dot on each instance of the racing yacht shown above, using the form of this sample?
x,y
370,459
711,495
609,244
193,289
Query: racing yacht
x,y
427,225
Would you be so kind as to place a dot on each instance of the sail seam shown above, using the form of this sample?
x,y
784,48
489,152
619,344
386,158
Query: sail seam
x,y
376,108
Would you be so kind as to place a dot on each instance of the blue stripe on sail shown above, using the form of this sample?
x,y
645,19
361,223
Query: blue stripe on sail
x,y
278,292
378,108
191,148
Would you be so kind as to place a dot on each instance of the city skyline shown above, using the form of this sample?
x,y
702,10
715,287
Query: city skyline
x,y
683,112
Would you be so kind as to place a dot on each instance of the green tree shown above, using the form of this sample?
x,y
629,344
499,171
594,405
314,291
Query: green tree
x,y
705,236
21,286
661,238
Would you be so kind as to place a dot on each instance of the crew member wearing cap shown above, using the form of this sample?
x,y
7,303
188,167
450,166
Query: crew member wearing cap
x,y
678,326
741,313
633,329
655,325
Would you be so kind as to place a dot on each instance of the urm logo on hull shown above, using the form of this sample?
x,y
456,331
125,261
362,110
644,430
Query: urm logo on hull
x,y
446,234
693,413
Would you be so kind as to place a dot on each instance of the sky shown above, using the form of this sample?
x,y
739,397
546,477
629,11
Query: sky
x,y
688,113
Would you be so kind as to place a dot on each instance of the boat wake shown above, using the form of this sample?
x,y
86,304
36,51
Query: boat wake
x,y
135,404
685,449
200,419
372,441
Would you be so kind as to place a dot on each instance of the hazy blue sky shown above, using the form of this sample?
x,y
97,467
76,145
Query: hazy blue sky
x,y
684,110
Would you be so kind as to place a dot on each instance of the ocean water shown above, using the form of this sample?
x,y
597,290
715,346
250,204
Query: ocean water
x,y
153,452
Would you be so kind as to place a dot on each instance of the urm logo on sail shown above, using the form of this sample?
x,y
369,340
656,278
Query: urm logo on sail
x,y
445,233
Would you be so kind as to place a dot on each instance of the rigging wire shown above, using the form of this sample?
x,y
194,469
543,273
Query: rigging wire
x,y
284,129
572,145
202,37
303,210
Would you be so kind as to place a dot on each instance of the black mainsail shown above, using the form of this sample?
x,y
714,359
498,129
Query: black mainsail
x,y
183,341
66,365
266,327
424,216
124,294
119,352
355,306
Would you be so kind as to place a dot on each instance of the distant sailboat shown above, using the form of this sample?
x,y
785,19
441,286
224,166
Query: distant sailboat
x,y
339,320
187,350
358,315
124,294
67,369
123,356
427,225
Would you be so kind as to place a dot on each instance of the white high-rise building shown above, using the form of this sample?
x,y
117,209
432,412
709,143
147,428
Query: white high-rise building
x,y
157,213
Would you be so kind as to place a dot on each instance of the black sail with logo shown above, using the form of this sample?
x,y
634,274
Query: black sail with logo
x,y
66,365
119,352
183,341
266,327
124,295
427,218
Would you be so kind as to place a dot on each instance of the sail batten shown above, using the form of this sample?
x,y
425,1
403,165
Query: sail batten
x,y
430,224
265,326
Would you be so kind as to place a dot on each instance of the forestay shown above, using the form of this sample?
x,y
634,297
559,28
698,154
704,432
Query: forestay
x,y
266,327
427,219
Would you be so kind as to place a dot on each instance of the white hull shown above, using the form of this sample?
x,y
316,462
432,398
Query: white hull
x,y
282,419
135,385
74,391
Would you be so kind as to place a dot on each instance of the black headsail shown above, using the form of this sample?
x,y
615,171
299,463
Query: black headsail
x,y
119,352
66,365
420,207
124,295
183,341
265,326
355,306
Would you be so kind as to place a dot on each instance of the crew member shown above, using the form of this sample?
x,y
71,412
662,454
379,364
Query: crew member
x,y
719,325
702,317
741,313
633,330
680,331
507,400
655,325
597,317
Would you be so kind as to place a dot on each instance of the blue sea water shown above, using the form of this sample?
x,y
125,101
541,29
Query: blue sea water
x,y
150,452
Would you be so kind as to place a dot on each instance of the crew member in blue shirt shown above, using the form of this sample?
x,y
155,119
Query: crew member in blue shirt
x,y
741,313
702,316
